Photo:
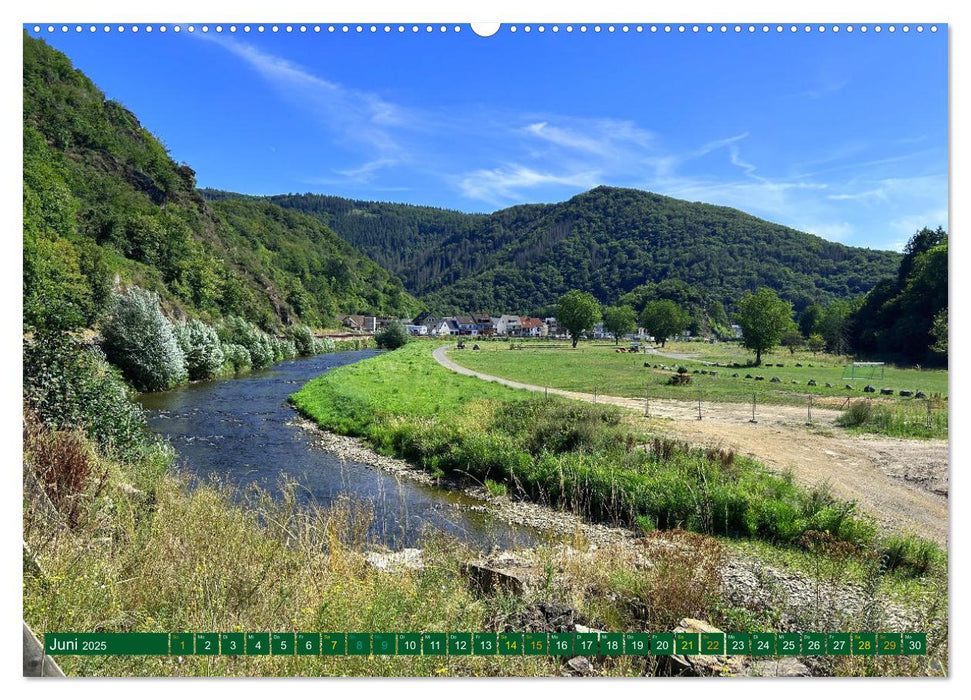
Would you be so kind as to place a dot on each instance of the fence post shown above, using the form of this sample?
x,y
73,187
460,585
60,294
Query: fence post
x,y
753,409
929,420
810,409
647,401
699,405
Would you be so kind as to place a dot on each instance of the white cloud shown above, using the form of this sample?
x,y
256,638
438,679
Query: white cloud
x,y
509,182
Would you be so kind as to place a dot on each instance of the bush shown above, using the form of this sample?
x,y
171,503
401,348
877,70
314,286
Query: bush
x,y
69,386
139,340
392,336
856,414
258,344
200,345
322,345
236,358
303,339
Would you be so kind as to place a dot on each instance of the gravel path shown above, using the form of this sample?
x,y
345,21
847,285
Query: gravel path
x,y
902,483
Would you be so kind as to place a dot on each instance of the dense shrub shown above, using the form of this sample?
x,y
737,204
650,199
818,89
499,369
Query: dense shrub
x,y
257,343
236,358
69,386
322,345
200,345
139,340
392,336
303,338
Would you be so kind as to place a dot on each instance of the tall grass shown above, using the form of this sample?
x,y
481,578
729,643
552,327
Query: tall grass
x,y
914,419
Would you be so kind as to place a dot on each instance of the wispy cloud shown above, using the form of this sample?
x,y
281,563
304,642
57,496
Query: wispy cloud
x,y
360,117
511,182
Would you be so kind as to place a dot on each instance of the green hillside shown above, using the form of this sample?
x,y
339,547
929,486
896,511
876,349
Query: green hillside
x,y
105,204
607,241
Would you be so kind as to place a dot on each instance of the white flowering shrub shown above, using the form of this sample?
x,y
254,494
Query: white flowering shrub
x,y
139,340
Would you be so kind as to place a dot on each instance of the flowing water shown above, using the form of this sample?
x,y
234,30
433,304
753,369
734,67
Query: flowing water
x,y
242,431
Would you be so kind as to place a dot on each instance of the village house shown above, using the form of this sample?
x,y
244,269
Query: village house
x,y
484,324
362,324
532,328
425,318
508,325
445,326
466,325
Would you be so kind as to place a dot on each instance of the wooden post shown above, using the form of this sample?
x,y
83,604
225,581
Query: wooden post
x,y
699,405
647,401
810,409
753,409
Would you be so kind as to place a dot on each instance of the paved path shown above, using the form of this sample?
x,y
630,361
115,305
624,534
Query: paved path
x,y
902,483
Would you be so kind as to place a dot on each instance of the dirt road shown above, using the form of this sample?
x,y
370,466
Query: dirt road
x,y
902,483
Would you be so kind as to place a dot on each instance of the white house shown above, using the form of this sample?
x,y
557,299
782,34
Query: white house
x,y
508,325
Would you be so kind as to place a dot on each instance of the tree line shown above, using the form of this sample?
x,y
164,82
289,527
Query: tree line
x,y
904,317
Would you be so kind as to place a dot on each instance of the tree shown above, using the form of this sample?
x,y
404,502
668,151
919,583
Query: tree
x,y
792,340
815,343
662,318
764,319
809,319
835,324
619,320
578,312
392,336
939,331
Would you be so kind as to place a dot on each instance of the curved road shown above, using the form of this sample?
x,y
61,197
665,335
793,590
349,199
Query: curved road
x,y
902,483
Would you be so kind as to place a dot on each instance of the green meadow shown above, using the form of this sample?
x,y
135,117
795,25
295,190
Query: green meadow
x,y
598,367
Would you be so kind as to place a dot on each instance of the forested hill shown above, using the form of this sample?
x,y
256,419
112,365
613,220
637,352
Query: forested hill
x,y
607,241
103,201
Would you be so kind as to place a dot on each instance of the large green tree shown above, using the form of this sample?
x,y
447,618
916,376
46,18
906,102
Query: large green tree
x,y
662,318
619,320
764,319
578,312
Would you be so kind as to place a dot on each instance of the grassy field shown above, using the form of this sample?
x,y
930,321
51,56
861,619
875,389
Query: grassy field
x,y
596,366
565,454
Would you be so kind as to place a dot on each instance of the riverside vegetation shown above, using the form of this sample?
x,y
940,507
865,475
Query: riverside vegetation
x,y
585,459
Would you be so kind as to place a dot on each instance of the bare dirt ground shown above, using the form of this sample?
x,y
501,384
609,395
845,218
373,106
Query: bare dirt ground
x,y
902,483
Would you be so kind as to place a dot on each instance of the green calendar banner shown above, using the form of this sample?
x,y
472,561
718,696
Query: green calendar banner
x,y
788,643
308,643
409,644
283,644
207,644
383,644
232,643
486,643
257,643
96,644
182,644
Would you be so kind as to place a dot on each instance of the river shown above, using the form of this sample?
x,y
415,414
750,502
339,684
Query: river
x,y
243,431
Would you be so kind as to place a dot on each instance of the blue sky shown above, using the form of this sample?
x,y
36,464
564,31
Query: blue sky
x,y
843,135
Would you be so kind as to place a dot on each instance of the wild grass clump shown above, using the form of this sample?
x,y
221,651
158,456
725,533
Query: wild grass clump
x,y
909,553
912,419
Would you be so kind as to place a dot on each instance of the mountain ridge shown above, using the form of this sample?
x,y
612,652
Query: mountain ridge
x,y
607,240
